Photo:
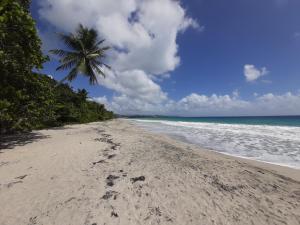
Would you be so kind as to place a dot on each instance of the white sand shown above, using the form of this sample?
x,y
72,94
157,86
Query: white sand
x,y
66,183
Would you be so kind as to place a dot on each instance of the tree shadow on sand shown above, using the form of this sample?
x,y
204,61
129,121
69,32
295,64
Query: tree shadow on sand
x,y
11,141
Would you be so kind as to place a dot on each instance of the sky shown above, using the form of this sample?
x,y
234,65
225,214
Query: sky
x,y
186,58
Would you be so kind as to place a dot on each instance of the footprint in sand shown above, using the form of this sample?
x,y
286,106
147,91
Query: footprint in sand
x,y
135,179
110,180
115,146
21,177
114,214
111,156
110,194
100,161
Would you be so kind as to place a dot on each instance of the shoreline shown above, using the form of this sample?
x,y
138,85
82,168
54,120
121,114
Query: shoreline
x,y
285,170
282,168
184,137
117,173
250,160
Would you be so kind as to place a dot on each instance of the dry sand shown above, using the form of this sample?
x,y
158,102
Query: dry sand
x,y
115,173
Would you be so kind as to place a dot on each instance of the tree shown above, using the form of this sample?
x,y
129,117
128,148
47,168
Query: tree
x,y
20,46
30,100
20,52
25,4
84,56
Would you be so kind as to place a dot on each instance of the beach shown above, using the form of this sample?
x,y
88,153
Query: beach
x,y
115,172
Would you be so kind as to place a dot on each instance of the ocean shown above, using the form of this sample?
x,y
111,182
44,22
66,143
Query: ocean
x,y
273,139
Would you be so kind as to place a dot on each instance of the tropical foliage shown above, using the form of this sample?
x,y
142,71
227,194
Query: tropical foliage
x,y
85,55
30,100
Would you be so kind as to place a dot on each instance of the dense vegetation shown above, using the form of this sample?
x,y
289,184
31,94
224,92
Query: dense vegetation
x,y
30,100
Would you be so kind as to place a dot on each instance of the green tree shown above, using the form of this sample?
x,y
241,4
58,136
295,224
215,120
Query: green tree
x,y
25,4
85,56
30,100
20,52
20,46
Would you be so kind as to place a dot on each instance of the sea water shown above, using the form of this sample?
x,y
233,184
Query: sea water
x,y
270,139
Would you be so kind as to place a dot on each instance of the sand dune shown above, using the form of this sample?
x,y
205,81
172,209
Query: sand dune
x,y
115,173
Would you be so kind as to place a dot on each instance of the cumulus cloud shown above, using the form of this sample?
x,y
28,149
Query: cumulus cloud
x,y
252,73
102,100
209,105
143,34
214,105
134,84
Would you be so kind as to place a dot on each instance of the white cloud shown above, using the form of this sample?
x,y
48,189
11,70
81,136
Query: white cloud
x,y
236,94
50,76
135,84
214,105
189,22
287,103
102,100
204,105
252,73
143,33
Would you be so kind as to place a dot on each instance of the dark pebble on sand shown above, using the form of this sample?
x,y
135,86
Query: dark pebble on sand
x,y
114,214
135,179
112,177
110,180
21,177
110,183
110,194
111,156
100,161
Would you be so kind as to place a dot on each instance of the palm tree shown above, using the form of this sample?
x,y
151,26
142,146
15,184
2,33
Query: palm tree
x,y
85,56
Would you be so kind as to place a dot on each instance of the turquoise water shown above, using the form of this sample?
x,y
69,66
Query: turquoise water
x,y
293,121
269,139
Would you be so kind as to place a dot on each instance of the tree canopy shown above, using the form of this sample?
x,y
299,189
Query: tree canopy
x,y
85,55
30,100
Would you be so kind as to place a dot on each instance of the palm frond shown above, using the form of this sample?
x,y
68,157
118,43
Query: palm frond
x,y
107,66
83,47
105,48
98,70
99,63
73,74
59,52
99,42
72,56
91,74
90,39
87,36
67,65
70,40
100,51
85,56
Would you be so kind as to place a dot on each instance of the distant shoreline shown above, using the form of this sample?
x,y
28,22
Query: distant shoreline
x,y
293,121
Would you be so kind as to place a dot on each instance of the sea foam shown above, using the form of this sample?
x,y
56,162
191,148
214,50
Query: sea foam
x,y
274,144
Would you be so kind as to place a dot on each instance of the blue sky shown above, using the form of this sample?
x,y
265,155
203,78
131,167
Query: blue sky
x,y
207,57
